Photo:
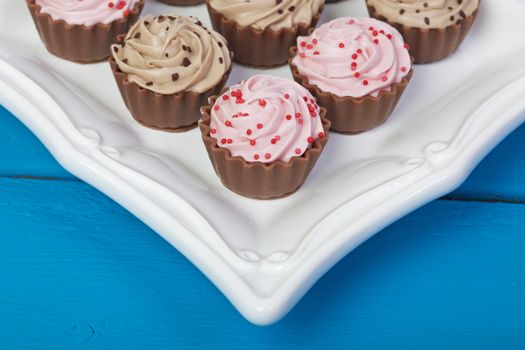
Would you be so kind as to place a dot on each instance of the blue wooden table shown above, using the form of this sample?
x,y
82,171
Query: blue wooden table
x,y
79,272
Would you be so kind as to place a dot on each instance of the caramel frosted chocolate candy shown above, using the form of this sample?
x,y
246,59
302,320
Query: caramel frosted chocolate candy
x,y
433,29
261,33
167,67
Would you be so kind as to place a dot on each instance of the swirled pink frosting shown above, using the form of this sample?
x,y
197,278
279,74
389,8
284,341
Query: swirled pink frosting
x,y
87,12
353,57
266,119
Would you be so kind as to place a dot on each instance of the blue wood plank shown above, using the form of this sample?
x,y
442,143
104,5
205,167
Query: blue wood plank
x,y
22,153
78,272
501,175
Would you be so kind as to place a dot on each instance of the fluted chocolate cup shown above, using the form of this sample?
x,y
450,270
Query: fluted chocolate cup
x,y
80,43
173,113
255,47
183,2
255,179
428,45
351,115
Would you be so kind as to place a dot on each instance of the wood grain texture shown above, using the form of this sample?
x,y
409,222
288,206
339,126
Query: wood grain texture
x,y
22,153
501,176
79,272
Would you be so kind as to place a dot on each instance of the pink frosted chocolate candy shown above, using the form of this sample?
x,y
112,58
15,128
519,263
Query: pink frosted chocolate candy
x,y
266,119
353,57
87,12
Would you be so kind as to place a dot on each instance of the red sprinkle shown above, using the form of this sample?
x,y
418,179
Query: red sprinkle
x,y
255,156
289,117
259,126
321,135
223,141
310,139
403,69
273,141
316,53
267,156
298,115
341,45
365,82
249,132
216,107
354,56
286,96
376,41
252,142
230,141
384,78
213,131
303,44
298,151
228,123
357,74
225,97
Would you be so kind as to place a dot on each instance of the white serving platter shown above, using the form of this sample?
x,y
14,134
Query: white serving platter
x,y
264,255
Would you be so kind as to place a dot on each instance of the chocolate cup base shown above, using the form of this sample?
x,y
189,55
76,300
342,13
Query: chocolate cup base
x,y
258,48
358,132
80,43
254,66
431,45
259,180
171,130
183,2
172,113
350,115
75,60
242,194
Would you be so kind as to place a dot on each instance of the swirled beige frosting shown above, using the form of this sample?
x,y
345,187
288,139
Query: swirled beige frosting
x,y
425,13
169,54
274,14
